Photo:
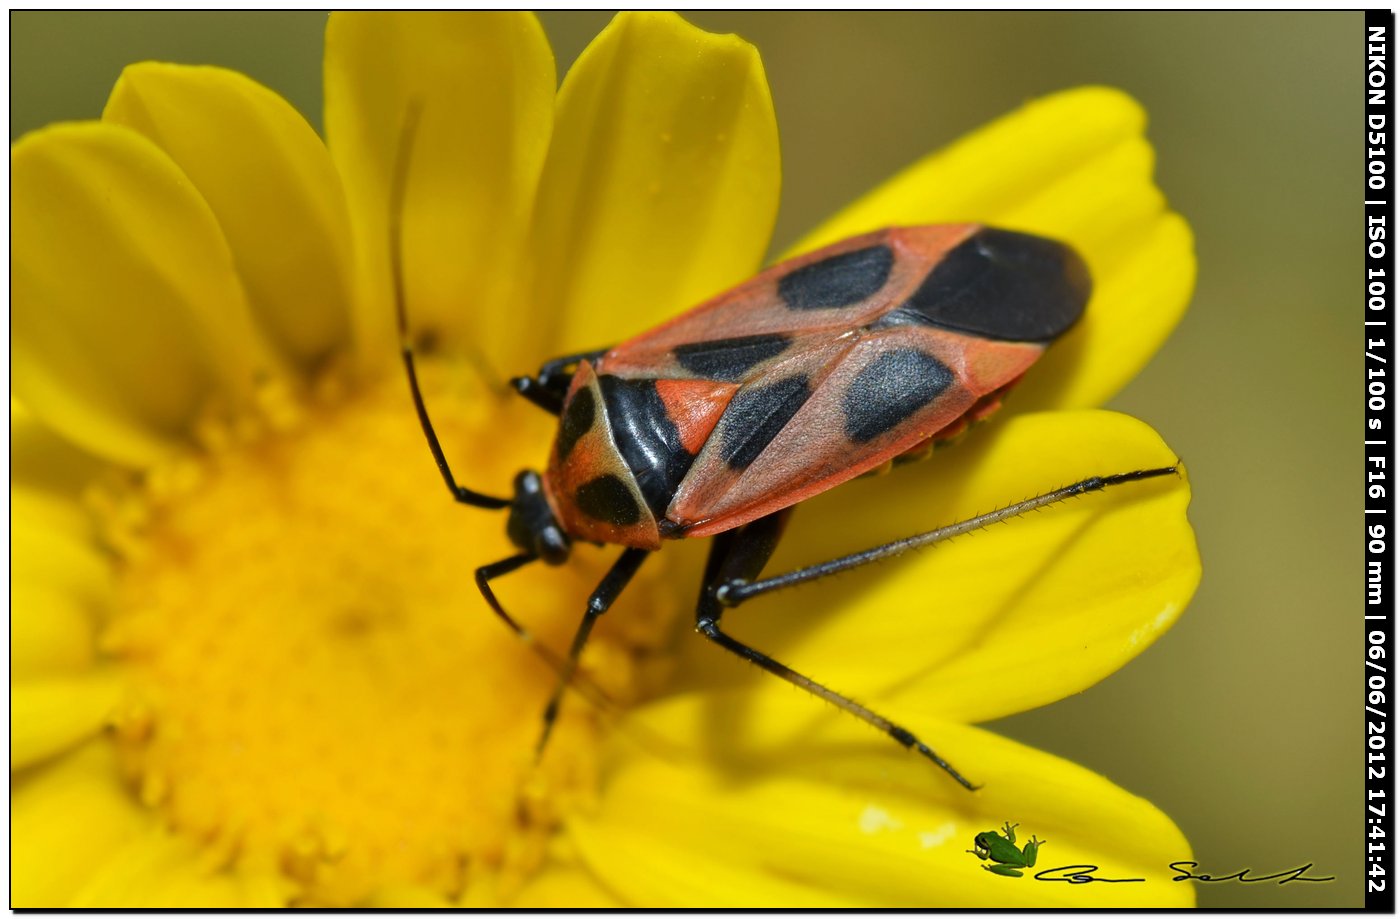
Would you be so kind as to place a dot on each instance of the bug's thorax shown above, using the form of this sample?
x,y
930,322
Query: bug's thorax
x,y
615,460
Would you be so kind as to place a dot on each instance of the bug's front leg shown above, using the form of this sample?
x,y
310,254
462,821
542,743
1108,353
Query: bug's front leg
x,y
739,555
567,675
548,387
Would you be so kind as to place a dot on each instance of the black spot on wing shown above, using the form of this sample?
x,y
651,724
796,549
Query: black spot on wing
x,y
729,359
577,419
647,438
837,281
1003,285
755,416
890,389
608,498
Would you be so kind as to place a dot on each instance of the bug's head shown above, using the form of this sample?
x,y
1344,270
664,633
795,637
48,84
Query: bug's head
x,y
532,525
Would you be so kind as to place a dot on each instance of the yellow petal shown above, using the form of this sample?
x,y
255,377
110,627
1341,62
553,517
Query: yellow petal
x,y
40,458
59,582
669,873
59,578
1145,293
995,168
486,86
66,822
131,876
45,509
407,897
1073,166
195,886
565,887
269,181
49,716
57,558
994,622
157,870
48,476
51,632
56,555
761,815
127,316
662,181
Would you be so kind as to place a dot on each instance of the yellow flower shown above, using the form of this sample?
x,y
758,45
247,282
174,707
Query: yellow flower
x,y
249,666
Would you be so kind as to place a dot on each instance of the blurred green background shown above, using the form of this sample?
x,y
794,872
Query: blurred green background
x,y
1243,723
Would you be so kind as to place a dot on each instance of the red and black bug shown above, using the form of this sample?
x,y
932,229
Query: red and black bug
x,y
817,370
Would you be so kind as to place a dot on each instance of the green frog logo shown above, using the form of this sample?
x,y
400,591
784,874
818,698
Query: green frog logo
x,y
1002,852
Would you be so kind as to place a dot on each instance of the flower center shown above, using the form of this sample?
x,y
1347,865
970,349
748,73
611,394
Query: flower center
x,y
318,689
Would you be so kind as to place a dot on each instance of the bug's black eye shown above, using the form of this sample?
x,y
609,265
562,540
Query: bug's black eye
x,y
553,546
1004,285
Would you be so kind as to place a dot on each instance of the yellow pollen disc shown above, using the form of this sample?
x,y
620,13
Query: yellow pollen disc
x,y
319,690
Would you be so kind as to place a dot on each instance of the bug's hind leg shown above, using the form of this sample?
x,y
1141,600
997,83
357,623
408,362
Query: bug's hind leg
x,y
602,598
740,587
740,555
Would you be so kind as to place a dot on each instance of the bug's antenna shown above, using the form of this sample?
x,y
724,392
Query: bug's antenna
x,y
398,188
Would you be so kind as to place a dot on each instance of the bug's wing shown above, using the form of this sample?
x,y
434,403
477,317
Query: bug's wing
x,y
835,410
825,366
789,307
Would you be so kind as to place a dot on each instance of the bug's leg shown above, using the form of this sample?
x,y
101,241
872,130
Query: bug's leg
x,y
396,198
488,573
558,372
607,591
738,589
547,388
742,557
